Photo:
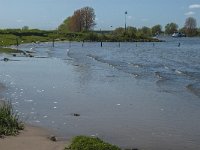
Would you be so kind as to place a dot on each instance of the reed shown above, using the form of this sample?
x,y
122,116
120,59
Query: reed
x,y
10,123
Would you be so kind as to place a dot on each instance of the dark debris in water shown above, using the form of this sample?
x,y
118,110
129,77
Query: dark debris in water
x,y
76,115
7,59
194,88
53,138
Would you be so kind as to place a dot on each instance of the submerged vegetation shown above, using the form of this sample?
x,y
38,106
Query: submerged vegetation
x,y
9,50
9,121
90,143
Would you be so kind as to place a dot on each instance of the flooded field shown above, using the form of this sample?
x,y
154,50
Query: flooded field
x,y
140,95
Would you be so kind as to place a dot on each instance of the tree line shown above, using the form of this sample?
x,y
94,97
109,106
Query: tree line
x,y
80,27
84,20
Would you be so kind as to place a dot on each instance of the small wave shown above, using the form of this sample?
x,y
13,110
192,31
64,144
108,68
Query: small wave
x,y
136,65
41,57
193,75
178,72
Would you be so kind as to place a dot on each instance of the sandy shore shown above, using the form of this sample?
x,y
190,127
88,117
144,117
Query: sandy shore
x,y
31,138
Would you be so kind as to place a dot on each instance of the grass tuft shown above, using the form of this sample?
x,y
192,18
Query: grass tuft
x,y
9,121
90,143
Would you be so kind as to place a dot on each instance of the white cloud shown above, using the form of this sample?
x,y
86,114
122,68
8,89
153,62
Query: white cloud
x,y
194,6
190,13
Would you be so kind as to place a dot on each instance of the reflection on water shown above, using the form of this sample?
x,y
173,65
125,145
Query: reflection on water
x,y
145,96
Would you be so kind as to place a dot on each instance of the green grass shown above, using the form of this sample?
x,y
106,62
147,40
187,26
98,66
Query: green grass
x,y
90,143
9,50
9,121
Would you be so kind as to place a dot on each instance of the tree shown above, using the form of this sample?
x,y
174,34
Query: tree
x,y
64,27
132,32
145,31
25,28
170,28
157,29
87,18
190,26
118,31
82,20
76,21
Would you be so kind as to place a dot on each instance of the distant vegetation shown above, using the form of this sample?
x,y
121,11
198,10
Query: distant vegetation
x,y
9,121
9,50
89,143
19,36
80,27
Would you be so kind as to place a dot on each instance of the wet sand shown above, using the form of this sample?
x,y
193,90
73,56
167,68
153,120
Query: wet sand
x,y
31,138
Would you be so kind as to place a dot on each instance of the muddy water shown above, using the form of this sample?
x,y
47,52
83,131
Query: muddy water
x,y
137,95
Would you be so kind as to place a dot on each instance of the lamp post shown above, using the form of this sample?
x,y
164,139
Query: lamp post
x,y
125,20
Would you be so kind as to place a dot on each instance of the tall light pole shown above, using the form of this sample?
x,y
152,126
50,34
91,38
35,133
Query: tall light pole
x,y
125,20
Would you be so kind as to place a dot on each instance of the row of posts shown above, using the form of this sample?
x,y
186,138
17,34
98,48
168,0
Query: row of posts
x,y
101,43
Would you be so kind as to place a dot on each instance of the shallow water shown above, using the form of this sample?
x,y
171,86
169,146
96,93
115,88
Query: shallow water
x,y
137,95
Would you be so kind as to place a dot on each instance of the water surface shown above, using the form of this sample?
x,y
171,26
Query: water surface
x,y
140,95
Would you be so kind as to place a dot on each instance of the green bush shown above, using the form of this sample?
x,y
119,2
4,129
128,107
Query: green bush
x,y
90,143
9,121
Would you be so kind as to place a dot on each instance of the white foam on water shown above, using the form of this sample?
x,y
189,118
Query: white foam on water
x,y
30,100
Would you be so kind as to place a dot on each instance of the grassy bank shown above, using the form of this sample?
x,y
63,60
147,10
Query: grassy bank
x,y
90,143
18,36
9,121
9,50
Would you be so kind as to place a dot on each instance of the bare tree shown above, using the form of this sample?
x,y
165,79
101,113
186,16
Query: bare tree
x,y
190,26
76,21
88,18
82,20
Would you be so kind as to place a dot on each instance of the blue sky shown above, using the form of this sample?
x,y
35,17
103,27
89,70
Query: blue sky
x,y
48,14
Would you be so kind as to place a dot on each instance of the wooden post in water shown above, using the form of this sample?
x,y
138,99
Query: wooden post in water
x,y
53,42
179,44
101,44
119,44
17,42
69,44
83,43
